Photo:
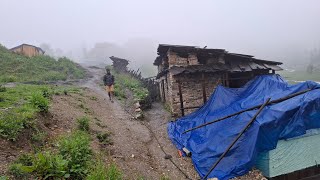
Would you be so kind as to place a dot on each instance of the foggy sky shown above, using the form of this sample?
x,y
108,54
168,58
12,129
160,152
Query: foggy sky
x,y
269,29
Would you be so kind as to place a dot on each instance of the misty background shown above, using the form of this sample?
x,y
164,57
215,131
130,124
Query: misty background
x,y
92,30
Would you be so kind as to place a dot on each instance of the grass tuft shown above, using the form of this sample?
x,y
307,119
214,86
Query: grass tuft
x,y
83,123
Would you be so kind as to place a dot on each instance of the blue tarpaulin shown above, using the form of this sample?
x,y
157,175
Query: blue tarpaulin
x,y
283,120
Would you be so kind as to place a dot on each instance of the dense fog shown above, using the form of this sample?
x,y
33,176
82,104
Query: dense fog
x,y
91,31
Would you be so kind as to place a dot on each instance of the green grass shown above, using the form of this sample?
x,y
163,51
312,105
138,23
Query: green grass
x,y
83,123
19,106
125,81
75,148
300,76
104,138
72,159
19,68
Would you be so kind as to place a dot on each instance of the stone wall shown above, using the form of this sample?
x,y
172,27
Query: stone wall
x,y
192,90
175,60
191,85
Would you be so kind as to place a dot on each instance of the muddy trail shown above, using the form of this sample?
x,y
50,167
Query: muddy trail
x,y
139,147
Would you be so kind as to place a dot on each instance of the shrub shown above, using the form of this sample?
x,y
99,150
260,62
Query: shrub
x,y
98,172
3,88
17,170
83,123
113,173
39,136
4,178
119,92
25,159
47,165
39,102
75,148
104,138
8,79
11,124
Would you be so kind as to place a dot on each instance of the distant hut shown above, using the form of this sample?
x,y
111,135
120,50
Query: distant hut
x,y
28,50
119,64
188,75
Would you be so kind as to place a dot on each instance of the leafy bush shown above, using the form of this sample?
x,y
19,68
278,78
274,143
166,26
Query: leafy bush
x,y
4,178
25,159
104,138
17,170
76,150
39,137
11,124
134,85
45,165
83,123
8,78
71,161
41,103
119,92
3,88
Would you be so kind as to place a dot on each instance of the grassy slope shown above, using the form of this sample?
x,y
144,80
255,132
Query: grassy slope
x,y
300,76
19,106
19,68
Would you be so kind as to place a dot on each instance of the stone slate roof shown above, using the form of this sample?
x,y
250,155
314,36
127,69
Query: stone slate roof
x,y
234,62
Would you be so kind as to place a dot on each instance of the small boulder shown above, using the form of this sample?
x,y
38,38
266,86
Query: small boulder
x,y
137,105
139,116
167,156
138,110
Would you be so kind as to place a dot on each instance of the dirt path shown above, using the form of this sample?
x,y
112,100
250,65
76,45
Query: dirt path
x,y
136,149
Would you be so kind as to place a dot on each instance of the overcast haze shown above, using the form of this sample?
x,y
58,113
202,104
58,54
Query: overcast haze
x,y
281,30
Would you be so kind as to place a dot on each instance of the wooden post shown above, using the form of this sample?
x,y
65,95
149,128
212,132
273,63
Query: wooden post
x,y
204,94
181,99
163,93
227,79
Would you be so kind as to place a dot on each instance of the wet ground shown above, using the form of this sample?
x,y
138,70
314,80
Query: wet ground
x,y
139,146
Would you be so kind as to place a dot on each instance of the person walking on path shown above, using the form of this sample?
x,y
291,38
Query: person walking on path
x,y
108,80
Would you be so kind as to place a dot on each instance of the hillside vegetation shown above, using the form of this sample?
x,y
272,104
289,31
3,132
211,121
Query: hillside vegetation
x,y
19,68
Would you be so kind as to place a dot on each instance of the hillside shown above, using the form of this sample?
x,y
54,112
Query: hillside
x,y
19,68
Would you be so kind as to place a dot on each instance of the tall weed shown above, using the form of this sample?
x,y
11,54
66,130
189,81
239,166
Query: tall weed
x,y
11,124
39,102
75,148
83,123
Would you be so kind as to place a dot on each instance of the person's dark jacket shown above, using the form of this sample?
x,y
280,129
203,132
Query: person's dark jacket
x,y
108,79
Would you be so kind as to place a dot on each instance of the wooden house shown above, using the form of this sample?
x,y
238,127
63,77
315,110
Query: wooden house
x,y
27,50
188,75
119,64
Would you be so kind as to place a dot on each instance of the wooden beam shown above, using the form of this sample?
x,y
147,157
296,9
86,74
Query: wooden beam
x,y
181,99
204,94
